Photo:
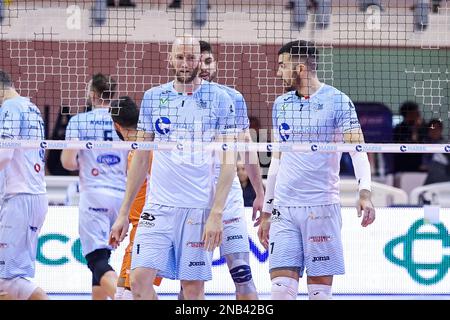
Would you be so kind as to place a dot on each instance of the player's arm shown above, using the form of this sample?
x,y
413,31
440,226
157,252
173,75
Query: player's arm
x,y
353,134
212,236
69,157
251,163
266,215
135,177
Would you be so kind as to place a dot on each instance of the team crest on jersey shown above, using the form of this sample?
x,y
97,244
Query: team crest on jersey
x,y
317,106
164,102
285,131
202,104
162,125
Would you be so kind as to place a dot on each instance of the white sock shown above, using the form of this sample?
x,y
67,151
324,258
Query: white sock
x,y
319,292
284,288
127,295
119,293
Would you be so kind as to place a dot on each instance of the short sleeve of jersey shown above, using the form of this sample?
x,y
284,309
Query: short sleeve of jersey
x,y
345,112
145,113
226,114
10,120
72,132
242,121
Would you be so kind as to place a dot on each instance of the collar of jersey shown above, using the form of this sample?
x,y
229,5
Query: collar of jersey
x,y
172,88
100,110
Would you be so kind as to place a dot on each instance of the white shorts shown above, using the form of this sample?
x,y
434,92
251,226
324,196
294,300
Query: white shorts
x,y
235,235
21,220
97,214
169,240
18,288
307,238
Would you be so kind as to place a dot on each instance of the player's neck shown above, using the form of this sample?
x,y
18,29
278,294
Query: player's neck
x,y
187,87
10,94
311,87
131,135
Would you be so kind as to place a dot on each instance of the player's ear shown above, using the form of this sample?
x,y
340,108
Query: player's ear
x,y
300,68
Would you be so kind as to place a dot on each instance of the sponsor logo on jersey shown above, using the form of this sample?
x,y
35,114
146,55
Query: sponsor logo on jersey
x,y
317,107
98,209
162,125
229,221
285,131
95,172
323,258
319,239
37,167
196,263
108,159
195,244
235,237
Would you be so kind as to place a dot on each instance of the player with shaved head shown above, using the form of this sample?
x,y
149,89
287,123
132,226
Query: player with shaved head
x,y
181,223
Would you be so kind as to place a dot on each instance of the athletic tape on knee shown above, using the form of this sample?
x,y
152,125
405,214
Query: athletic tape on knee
x,y
242,276
319,292
284,288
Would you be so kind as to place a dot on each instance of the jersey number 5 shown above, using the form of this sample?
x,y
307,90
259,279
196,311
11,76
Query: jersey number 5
x,y
107,135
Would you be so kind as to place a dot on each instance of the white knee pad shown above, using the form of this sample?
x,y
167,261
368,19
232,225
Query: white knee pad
x,y
319,292
17,288
284,288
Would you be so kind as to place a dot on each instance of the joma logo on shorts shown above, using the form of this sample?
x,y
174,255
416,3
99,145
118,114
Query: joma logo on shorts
x,y
196,263
319,238
195,244
325,258
238,236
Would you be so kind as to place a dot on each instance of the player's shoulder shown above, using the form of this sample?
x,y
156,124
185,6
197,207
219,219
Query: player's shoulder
x,y
15,104
229,90
337,94
288,97
165,88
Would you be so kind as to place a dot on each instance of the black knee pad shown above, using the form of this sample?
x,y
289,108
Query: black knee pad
x,y
98,264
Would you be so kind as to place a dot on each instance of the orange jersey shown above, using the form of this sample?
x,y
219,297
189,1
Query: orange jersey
x,y
139,201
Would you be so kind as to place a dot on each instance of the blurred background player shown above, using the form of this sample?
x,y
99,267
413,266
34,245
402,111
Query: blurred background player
x,y
179,228
125,115
102,183
306,219
25,196
235,246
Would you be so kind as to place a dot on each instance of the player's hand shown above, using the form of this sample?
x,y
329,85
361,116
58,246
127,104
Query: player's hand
x,y
257,207
264,227
119,231
365,208
212,235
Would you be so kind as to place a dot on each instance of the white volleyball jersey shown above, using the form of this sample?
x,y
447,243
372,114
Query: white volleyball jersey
x,y
98,168
311,178
183,178
21,119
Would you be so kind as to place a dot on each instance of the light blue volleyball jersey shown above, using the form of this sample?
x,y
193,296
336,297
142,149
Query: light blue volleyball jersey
x,y
311,178
242,123
182,178
98,168
21,119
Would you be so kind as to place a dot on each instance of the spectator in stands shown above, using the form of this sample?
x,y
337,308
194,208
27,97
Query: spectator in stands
x,y
175,4
247,188
437,164
411,130
54,166
122,3
434,135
